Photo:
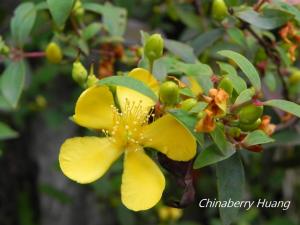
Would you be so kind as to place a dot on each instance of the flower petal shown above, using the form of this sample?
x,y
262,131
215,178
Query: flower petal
x,y
85,159
93,108
168,136
126,95
146,77
142,181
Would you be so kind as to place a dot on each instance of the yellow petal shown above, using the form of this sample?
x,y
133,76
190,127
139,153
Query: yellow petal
x,y
128,96
142,181
93,108
168,136
195,86
85,159
146,77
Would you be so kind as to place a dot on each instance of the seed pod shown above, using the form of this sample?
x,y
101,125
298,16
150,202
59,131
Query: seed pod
x,y
188,104
154,47
169,93
250,113
219,9
53,53
226,85
251,126
79,73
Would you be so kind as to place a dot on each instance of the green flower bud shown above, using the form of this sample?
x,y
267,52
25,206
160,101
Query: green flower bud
x,y
78,9
79,73
219,9
250,113
154,46
91,80
294,78
200,115
53,53
188,104
226,85
234,132
251,126
169,93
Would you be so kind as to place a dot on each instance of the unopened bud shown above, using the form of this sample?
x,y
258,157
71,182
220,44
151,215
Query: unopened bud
x,y
79,73
154,47
169,93
53,53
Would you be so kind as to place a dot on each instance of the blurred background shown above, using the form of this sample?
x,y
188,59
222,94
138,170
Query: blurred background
x,y
33,191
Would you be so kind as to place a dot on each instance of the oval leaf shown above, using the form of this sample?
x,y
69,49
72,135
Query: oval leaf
x,y
22,22
211,155
246,66
129,82
6,132
12,82
60,10
284,105
257,137
183,51
230,184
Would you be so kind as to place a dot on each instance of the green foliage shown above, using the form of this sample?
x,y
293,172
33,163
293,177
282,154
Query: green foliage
x,y
6,132
12,82
246,66
129,82
231,182
22,22
60,10
284,105
257,137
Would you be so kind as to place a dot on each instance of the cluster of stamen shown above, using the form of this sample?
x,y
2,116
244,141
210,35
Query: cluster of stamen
x,y
128,124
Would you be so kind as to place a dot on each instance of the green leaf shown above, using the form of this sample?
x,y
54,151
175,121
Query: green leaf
x,y
284,105
12,82
244,96
237,36
160,69
6,132
245,65
267,22
60,10
288,8
257,137
187,92
270,80
211,155
201,72
129,82
189,122
91,30
238,83
231,184
183,51
288,137
114,18
22,22
219,138
200,106
205,40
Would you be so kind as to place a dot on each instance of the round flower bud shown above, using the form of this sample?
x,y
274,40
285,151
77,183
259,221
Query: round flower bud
x,y
53,53
91,80
78,9
226,85
79,73
234,132
251,126
188,104
250,113
169,93
154,46
219,9
294,78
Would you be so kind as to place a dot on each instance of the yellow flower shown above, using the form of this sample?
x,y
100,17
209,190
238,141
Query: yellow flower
x,y
85,159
